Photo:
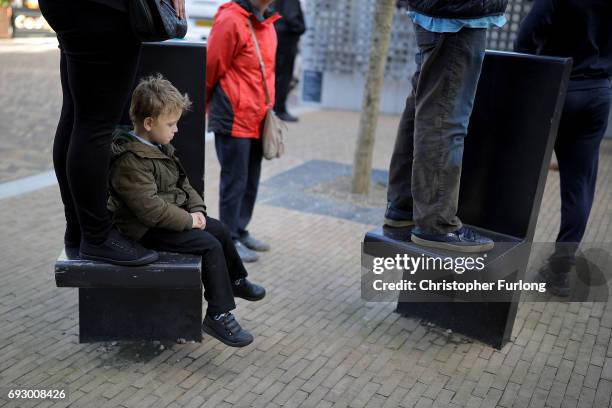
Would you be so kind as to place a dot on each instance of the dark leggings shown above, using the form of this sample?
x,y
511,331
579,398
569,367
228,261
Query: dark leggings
x,y
99,58
221,264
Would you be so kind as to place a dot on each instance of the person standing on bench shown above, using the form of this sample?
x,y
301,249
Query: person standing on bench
x,y
236,105
99,58
582,30
425,169
154,204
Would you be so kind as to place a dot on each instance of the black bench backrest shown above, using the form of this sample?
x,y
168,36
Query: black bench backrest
x,y
517,105
184,64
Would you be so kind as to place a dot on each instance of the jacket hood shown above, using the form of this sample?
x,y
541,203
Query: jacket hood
x,y
246,8
124,142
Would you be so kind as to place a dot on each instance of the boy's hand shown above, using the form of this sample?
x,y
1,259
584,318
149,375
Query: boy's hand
x,y
198,220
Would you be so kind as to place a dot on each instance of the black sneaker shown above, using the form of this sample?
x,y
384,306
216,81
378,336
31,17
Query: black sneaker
x,y
247,290
227,330
463,240
556,275
254,244
397,218
118,250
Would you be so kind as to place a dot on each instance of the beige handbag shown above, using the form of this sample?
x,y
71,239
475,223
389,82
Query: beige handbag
x,y
273,137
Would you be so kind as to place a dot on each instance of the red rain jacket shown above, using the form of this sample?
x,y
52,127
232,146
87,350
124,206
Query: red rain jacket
x,y
235,97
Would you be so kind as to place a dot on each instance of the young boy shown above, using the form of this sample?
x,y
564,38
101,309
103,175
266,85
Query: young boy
x,y
154,204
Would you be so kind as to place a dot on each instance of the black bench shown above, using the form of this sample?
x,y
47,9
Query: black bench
x,y
509,146
161,301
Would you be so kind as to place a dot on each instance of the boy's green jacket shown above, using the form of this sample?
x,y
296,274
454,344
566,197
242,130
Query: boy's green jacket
x,y
149,188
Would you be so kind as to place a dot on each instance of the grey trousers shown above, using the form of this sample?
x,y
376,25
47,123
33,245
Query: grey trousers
x,y
425,169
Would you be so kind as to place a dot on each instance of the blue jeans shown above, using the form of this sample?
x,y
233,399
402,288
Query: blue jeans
x,y
425,168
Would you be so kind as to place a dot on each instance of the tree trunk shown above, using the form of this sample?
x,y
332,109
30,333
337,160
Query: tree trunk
x,y
379,48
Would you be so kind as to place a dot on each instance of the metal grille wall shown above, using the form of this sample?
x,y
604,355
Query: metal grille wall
x,y
338,38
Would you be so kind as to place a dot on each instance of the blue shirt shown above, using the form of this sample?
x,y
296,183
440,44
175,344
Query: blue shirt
x,y
145,141
452,25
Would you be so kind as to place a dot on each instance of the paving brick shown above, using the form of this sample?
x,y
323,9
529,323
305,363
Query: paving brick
x,y
593,375
587,396
607,369
555,395
603,395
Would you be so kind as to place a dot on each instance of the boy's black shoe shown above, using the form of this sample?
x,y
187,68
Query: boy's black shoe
x,y
118,250
556,276
463,240
227,330
247,290
397,218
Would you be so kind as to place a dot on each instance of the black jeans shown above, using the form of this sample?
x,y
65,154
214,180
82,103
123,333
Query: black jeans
x,y
425,170
221,264
582,127
99,58
240,160
285,62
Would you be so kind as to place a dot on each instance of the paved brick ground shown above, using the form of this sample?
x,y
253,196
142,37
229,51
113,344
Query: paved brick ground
x,y
317,343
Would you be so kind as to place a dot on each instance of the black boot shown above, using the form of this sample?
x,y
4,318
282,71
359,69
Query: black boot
x,y
118,250
286,117
246,290
227,330
556,275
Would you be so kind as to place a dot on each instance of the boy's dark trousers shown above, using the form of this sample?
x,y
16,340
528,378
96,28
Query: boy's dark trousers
x,y
221,264
240,160
582,127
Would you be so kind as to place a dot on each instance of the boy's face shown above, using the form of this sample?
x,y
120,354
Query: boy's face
x,y
161,129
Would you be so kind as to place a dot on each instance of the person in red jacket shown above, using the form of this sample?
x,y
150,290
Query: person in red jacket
x,y
236,106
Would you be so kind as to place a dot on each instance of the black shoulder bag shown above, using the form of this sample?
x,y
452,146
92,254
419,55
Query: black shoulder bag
x,y
156,20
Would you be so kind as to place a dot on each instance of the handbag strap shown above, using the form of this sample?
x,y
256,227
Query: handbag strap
x,y
262,66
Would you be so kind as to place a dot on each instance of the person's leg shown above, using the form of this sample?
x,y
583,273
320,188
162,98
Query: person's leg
x,y
252,185
61,142
215,276
101,57
233,154
445,94
285,64
582,127
100,89
282,85
241,286
399,192
218,230
218,289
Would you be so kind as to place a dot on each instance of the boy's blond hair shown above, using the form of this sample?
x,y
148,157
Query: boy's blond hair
x,y
155,96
